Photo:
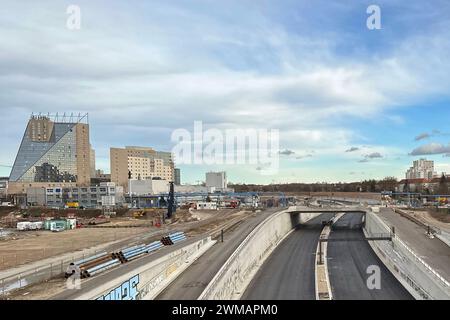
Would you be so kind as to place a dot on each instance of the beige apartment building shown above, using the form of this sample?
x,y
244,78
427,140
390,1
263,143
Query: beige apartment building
x,y
54,152
142,163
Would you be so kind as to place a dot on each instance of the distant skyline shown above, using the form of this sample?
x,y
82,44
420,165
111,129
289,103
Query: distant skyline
x,y
350,103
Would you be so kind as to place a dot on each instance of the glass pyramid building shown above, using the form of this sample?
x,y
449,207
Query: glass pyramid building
x,y
52,151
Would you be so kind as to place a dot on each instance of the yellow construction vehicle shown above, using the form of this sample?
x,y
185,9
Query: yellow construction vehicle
x,y
72,205
143,212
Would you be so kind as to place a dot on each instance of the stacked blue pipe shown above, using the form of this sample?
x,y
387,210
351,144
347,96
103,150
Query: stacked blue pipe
x,y
130,254
130,249
177,237
102,267
83,261
154,246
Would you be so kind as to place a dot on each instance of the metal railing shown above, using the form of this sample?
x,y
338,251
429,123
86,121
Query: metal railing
x,y
33,275
426,265
416,257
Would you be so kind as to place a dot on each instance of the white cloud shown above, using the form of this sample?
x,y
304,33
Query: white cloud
x,y
147,73
430,149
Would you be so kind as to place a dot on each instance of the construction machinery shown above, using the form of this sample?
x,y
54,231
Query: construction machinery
x,y
72,205
144,212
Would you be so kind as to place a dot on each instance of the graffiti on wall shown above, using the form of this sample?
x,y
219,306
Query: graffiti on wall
x,y
126,291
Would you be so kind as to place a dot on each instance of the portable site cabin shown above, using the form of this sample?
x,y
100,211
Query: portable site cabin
x,y
38,225
23,225
55,225
206,205
58,225
71,223
27,225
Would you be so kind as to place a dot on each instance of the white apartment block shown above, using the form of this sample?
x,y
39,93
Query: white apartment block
x,y
142,163
421,169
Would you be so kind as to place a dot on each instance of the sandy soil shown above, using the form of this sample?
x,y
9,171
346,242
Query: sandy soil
x,y
28,246
211,220
439,220
22,247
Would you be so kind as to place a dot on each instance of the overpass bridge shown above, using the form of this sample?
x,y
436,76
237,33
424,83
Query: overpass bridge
x,y
338,209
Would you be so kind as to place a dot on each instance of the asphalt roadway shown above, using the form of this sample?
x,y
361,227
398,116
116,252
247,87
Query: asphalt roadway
x,y
289,272
435,252
348,262
191,283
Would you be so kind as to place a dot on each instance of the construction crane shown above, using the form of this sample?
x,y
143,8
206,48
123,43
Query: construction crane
x,y
171,207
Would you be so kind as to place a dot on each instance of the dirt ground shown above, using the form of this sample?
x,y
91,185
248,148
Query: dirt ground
x,y
210,219
21,247
221,220
356,195
440,216
440,220
28,246
40,291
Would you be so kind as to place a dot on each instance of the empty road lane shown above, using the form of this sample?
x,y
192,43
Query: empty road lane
x,y
288,273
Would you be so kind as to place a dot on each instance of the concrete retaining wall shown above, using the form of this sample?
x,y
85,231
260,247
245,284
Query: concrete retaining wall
x,y
413,273
232,279
146,282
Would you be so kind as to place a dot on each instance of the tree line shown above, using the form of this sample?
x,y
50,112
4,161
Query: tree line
x,y
372,185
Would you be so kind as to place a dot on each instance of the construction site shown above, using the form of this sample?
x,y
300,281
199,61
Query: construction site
x,y
19,247
31,245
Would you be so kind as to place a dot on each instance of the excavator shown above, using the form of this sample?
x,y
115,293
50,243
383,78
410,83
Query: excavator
x,y
143,212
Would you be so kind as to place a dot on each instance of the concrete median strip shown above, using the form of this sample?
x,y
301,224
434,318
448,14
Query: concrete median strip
x,y
323,286
322,278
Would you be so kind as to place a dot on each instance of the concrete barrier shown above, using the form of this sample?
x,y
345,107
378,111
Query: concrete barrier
x,y
235,275
414,274
147,281
322,279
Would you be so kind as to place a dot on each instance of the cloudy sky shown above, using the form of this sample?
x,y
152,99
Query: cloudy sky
x,y
350,103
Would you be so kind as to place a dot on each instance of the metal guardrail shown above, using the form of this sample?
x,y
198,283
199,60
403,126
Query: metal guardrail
x,y
426,265
217,231
417,258
33,275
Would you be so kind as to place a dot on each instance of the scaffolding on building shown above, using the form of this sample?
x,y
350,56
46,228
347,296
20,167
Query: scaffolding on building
x,y
63,117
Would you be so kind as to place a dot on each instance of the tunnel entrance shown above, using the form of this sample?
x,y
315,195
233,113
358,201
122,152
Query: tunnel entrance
x,y
350,221
349,228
